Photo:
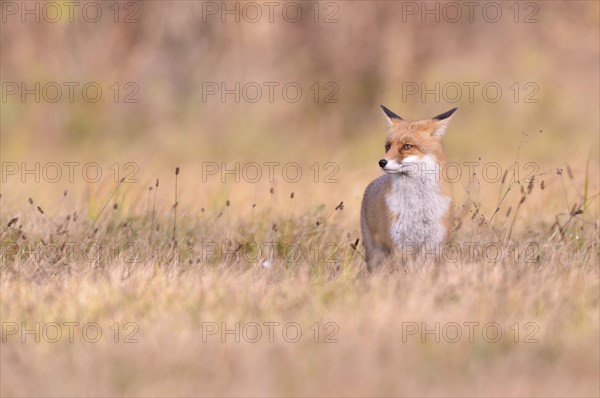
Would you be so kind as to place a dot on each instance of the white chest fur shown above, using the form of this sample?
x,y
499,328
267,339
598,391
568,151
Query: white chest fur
x,y
417,207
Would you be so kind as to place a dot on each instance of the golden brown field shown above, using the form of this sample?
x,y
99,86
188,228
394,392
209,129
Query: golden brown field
x,y
239,274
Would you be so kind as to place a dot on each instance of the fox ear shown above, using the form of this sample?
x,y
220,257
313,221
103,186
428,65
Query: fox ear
x,y
389,116
441,123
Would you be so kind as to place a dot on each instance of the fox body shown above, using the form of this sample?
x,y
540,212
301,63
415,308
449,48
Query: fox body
x,y
407,208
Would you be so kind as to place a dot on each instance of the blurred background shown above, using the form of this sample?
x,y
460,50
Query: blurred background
x,y
186,82
136,89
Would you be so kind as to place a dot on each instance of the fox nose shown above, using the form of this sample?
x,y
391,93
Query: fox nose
x,y
382,163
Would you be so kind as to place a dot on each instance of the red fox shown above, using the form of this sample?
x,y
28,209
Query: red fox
x,y
409,206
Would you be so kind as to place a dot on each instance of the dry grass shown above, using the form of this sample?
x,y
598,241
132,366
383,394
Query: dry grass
x,y
174,291
169,291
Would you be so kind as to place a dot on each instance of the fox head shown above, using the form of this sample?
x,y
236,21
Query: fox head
x,y
413,143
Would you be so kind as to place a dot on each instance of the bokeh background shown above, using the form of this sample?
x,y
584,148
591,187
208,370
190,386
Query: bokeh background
x,y
161,57
359,54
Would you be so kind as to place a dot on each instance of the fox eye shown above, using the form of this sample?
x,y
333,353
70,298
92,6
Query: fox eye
x,y
406,146
387,147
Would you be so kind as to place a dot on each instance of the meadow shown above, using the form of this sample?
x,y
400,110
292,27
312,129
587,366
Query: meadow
x,y
206,314
190,245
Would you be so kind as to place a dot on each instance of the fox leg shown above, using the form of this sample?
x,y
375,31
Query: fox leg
x,y
376,256
375,252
